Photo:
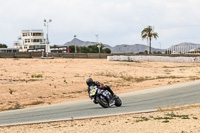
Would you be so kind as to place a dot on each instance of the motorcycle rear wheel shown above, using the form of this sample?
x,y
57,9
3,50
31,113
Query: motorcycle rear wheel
x,y
103,102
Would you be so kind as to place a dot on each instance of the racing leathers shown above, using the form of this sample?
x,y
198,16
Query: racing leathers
x,y
100,86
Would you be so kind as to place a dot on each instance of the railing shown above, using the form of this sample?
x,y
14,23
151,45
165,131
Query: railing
x,y
55,55
82,55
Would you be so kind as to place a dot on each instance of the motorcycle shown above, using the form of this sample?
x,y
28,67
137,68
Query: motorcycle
x,y
104,98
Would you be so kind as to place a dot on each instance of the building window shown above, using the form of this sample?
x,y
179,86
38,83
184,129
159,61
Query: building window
x,y
37,34
27,40
36,46
31,47
24,34
37,40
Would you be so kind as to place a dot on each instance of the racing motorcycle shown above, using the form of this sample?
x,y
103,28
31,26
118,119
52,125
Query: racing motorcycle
x,y
104,98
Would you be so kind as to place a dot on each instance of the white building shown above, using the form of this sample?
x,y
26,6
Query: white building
x,y
31,39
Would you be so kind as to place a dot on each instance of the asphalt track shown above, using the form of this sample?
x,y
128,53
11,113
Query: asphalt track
x,y
134,102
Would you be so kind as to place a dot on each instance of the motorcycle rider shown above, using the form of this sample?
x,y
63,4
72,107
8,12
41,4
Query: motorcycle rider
x,y
99,85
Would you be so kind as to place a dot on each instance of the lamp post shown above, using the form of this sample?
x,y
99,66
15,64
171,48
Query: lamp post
x,y
46,24
97,35
98,45
75,43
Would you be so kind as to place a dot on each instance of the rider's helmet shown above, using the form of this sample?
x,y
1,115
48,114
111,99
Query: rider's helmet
x,y
89,81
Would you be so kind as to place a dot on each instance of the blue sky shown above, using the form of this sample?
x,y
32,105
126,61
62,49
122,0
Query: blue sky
x,y
116,21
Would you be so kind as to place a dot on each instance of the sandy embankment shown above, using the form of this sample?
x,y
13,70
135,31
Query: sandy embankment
x,y
63,80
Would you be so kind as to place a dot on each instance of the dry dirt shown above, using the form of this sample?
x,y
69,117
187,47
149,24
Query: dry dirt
x,y
34,82
61,80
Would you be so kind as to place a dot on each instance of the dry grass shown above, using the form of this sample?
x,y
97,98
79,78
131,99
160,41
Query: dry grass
x,y
177,108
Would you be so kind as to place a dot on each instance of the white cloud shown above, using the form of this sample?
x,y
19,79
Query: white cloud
x,y
116,21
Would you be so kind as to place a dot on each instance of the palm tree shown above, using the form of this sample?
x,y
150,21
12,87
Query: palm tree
x,y
148,33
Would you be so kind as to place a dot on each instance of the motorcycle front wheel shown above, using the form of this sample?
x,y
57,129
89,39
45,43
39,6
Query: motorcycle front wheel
x,y
118,102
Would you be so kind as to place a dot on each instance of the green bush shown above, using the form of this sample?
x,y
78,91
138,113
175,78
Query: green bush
x,y
36,76
10,91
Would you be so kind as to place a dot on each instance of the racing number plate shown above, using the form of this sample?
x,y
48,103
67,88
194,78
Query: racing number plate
x,y
92,92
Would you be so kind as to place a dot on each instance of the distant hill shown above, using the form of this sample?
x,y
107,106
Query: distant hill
x,y
124,48
184,47
81,43
136,48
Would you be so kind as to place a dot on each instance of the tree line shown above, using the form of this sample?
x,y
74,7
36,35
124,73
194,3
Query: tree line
x,y
89,49
3,45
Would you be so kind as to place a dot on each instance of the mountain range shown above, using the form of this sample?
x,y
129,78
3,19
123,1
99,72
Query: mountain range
x,y
135,48
81,43
184,47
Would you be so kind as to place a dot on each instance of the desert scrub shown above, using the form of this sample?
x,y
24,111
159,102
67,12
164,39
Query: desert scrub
x,y
25,73
172,114
164,119
142,119
36,76
141,79
194,77
77,92
77,75
107,74
126,77
36,103
16,106
11,91
168,71
176,66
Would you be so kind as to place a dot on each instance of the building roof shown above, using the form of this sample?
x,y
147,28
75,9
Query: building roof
x,y
34,30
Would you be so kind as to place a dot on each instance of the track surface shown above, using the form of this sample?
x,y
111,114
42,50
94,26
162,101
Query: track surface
x,y
140,101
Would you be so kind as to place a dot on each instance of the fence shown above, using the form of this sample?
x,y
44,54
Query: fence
x,y
21,55
56,55
82,55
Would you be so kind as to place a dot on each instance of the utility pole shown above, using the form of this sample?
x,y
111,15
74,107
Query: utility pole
x,y
46,24
75,43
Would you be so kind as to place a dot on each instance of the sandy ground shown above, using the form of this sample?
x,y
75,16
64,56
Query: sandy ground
x,y
62,80
183,120
34,82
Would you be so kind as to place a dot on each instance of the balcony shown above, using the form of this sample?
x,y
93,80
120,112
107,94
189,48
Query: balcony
x,y
37,34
